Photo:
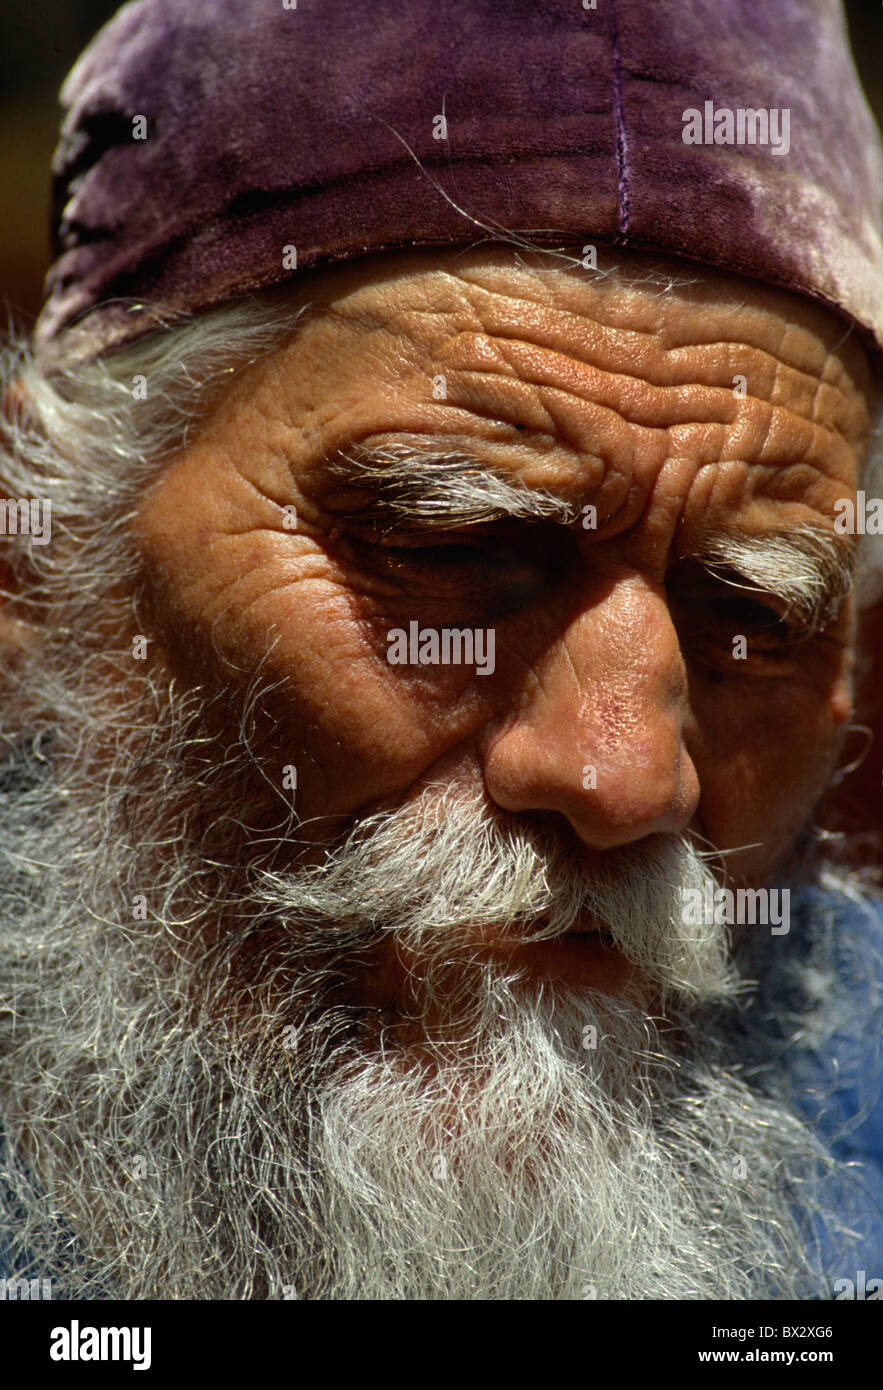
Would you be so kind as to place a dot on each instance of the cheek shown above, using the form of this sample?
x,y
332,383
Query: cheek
x,y
357,728
765,760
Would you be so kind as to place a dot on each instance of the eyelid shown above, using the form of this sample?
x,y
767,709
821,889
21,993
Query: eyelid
x,y
728,582
418,555
707,585
431,535
435,540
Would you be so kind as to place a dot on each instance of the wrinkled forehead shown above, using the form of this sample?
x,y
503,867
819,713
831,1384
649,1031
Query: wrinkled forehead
x,y
653,356
640,293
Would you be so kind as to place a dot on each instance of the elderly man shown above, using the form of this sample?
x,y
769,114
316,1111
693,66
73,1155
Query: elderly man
x,y
428,631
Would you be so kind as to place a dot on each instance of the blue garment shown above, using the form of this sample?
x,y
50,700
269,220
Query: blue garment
x,y
836,1087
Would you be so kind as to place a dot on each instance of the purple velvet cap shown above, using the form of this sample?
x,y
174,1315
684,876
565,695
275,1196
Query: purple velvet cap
x,y
270,127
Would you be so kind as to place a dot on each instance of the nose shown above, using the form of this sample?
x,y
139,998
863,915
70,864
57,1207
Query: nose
x,y
598,732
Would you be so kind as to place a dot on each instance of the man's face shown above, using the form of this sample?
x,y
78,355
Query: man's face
x,y
633,692
378,1034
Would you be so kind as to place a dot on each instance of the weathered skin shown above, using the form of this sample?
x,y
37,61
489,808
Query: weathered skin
x,y
612,650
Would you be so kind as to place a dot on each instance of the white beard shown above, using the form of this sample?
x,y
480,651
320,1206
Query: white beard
x,y
226,1122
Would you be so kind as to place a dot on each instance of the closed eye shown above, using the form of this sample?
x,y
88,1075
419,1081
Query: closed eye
x,y
718,607
763,621
486,566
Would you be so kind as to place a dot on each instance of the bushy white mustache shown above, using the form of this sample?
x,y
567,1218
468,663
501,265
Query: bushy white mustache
x,y
437,871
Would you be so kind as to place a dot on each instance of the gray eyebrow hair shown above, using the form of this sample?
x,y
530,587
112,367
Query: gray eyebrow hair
x,y
422,485
810,570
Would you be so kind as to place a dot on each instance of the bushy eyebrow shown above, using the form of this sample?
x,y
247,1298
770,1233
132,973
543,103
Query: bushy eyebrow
x,y
423,485
810,570
428,486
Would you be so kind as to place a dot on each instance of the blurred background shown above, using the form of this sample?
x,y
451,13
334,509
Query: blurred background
x,y
38,44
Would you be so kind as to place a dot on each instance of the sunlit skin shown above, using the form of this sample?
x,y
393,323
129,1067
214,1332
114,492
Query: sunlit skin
x,y
612,648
